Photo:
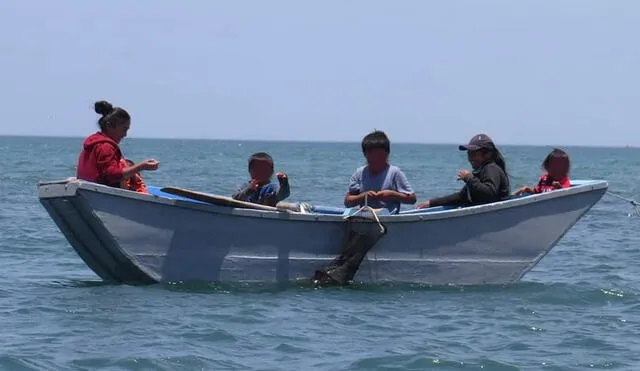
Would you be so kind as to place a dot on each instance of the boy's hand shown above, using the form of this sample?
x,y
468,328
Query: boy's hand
x,y
556,185
371,195
523,190
386,194
150,164
254,185
281,176
464,174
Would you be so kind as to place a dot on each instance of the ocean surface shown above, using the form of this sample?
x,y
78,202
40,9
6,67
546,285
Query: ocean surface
x,y
578,309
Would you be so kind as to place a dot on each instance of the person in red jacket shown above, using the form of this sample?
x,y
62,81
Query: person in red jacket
x,y
556,176
100,159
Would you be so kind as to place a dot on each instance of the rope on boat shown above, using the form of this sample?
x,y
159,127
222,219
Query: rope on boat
x,y
634,203
370,209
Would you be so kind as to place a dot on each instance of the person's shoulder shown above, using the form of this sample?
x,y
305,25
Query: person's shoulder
x,y
493,167
395,171
359,170
107,148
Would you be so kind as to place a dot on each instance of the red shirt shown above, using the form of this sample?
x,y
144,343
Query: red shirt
x,y
545,184
99,161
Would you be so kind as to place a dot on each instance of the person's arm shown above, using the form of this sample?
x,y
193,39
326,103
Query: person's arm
x,y
404,193
391,195
284,189
538,187
525,189
354,196
243,192
565,183
109,164
485,187
353,200
455,199
130,171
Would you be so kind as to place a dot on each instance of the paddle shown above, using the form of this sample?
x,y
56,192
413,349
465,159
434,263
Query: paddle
x,y
227,201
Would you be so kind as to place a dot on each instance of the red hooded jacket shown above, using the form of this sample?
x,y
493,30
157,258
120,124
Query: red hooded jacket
x,y
99,161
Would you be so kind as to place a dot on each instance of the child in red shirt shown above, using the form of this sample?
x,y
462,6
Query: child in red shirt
x,y
556,176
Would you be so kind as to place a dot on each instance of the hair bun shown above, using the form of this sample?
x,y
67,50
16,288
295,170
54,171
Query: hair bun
x,y
103,107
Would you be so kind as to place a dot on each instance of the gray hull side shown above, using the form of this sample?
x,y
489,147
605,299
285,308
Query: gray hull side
x,y
132,239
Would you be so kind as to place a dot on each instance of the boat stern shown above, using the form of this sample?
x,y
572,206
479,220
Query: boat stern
x,y
86,233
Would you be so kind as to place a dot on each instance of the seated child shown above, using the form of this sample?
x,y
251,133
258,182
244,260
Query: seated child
x,y
384,185
259,189
135,182
556,176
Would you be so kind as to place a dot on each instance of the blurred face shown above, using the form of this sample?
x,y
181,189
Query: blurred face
x,y
477,158
376,159
118,132
261,171
558,168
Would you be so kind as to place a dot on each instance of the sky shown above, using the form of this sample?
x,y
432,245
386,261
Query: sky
x,y
524,72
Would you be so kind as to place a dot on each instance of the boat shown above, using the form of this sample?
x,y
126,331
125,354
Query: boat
x,y
174,235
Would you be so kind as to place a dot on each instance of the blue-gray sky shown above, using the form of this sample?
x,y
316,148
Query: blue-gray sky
x,y
525,72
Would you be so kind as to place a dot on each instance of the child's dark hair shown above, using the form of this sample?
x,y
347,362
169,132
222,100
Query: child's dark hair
x,y
556,153
376,139
111,116
260,156
129,162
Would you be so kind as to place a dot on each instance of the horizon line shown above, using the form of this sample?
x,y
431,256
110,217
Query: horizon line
x,y
317,141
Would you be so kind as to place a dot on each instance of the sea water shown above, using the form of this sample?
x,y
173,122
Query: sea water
x,y
578,309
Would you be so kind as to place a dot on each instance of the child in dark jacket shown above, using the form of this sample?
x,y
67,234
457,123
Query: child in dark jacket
x,y
260,189
487,183
556,166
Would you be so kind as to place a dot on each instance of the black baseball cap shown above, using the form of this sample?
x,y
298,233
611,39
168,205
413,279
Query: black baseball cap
x,y
478,141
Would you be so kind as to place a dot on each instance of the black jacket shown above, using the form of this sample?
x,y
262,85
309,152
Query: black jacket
x,y
488,184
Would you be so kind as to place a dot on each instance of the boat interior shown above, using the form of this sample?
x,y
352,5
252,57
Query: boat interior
x,y
330,210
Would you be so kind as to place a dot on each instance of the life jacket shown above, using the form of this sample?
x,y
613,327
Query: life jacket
x,y
135,183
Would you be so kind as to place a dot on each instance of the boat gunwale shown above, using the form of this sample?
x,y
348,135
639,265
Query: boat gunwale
x,y
74,186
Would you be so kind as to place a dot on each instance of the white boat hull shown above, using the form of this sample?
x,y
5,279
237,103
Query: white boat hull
x,y
134,238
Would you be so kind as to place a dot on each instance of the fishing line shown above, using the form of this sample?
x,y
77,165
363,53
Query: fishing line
x,y
634,203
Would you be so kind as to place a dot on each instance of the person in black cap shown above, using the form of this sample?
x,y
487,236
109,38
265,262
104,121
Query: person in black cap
x,y
259,189
487,183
